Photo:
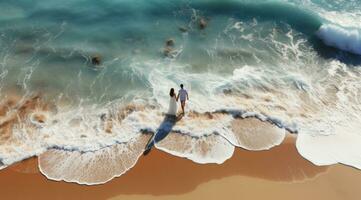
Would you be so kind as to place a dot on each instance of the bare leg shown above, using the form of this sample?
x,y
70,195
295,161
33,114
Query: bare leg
x,y
183,105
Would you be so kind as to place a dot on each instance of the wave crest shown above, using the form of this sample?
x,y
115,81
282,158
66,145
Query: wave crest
x,y
342,38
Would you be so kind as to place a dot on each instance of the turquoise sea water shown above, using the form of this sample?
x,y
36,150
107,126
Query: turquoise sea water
x,y
292,63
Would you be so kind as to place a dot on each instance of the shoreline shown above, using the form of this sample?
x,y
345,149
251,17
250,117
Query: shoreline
x,y
280,166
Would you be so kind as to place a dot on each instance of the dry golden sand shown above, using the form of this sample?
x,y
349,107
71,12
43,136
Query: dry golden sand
x,y
280,173
338,183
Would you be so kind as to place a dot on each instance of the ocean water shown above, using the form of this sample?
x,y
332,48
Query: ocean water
x,y
255,71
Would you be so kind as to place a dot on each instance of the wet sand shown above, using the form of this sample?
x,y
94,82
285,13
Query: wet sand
x,y
280,173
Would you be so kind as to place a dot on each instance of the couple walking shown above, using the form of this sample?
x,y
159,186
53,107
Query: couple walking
x,y
182,96
170,119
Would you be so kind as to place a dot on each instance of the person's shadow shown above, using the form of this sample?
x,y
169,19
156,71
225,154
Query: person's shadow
x,y
163,130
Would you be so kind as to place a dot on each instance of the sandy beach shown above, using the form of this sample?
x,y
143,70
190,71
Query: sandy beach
x,y
280,173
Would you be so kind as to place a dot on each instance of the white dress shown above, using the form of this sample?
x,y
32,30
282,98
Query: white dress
x,y
172,106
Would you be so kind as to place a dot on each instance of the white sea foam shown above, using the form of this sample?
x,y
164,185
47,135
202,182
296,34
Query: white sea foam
x,y
202,138
92,167
343,12
333,134
204,149
78,135
252,134
21,146
341,38
342,145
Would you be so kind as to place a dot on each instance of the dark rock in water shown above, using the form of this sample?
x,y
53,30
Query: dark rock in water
x,y
96,60
227,91
170,42
203,23
103,117
183,29
167,51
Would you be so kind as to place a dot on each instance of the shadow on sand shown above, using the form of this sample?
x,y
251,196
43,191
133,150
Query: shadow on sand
x,y
163,130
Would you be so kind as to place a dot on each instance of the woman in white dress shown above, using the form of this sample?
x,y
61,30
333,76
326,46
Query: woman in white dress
x,y
172,103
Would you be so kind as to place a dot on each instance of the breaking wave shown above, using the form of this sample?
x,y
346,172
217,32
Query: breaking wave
x,y
344,39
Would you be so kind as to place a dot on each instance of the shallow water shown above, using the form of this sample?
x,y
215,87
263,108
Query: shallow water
x,y
256,70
